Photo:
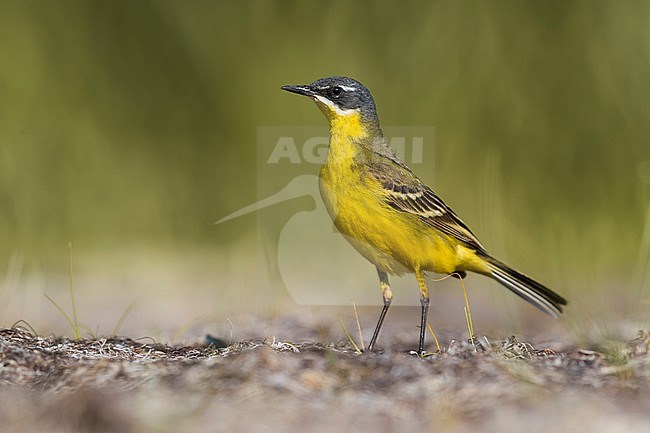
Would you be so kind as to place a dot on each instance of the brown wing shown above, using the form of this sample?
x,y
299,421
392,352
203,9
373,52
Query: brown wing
x,y
406,193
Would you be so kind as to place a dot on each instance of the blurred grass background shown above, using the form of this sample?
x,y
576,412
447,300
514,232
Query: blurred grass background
x,y
129,128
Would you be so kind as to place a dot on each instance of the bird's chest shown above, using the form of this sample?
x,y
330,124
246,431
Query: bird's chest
x,y
344,185
347,194
353,198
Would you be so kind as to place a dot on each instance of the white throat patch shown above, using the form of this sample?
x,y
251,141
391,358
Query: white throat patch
x,y
339,111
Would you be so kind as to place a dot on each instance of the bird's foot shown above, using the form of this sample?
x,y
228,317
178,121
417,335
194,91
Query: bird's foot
x,y
420,353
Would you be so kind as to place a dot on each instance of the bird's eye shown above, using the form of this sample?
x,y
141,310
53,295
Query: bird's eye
x,y
336,91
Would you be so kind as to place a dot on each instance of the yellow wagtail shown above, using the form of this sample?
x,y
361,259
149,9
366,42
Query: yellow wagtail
x,y
393,219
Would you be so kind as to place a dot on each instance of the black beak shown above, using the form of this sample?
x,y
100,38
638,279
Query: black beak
x,y
301,90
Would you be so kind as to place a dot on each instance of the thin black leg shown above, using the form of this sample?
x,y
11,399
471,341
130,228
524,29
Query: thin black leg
x,y
375,334
388,297
424,301
423,323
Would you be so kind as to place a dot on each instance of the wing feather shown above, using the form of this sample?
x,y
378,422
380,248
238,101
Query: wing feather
x,y
406,193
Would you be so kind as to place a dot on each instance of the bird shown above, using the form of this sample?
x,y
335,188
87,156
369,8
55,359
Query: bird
x,y
389,215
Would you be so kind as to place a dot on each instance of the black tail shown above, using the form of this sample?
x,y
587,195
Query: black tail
x,y
538,295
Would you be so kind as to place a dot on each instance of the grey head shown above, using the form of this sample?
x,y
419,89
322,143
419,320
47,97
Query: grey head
x,y
342,95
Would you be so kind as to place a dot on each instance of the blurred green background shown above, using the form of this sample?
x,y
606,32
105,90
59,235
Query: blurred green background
x,y
129,128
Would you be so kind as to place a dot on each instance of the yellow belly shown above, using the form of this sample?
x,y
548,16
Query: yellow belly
x,y
394,241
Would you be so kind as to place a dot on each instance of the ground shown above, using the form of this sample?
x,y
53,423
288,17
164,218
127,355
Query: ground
x,y
265,385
